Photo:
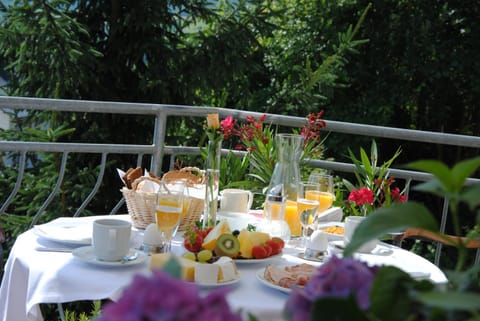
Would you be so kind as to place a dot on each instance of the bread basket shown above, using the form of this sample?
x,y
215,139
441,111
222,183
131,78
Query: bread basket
x,y
141,205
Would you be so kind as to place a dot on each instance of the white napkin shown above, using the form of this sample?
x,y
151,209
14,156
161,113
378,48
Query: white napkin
x,y
81,233
333,214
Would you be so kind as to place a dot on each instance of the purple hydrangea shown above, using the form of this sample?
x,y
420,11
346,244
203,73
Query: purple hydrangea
x,y
337,278
164,298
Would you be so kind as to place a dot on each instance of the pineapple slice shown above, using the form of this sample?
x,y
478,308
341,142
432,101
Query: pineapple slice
x,y
249,239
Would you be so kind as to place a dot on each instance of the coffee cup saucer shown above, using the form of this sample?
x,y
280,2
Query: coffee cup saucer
x,y
85,254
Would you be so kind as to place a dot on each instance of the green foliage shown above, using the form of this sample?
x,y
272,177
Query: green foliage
x,y
462,298
419,70
83,316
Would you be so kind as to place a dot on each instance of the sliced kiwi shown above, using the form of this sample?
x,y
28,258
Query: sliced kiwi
x,y
227,245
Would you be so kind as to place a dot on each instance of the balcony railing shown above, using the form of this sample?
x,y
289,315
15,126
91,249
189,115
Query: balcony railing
x,y
157,149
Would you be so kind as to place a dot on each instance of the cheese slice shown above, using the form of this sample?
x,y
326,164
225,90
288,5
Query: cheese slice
x,y
158,260
206,273
227,269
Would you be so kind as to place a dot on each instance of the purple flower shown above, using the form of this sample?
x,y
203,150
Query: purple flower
x,y
337,278
164,298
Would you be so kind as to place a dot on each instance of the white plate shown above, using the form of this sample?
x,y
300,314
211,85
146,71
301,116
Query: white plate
x,y
215,285
331,236
65,231
85,254
260,277
237,220
253,261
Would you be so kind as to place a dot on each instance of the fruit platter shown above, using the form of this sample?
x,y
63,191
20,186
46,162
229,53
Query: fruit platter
x,y
211,254
245,245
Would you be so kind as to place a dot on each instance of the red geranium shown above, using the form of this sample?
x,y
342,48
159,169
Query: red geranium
x,y
361,196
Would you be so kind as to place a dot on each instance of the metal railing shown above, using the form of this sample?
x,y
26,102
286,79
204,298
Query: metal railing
x,y
157,149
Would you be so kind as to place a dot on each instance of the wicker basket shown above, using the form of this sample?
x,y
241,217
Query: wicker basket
x,y
141,205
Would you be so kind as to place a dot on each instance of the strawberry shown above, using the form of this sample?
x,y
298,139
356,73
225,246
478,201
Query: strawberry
x,y
276,246
279,241
193,239
268,248
259,252
206,231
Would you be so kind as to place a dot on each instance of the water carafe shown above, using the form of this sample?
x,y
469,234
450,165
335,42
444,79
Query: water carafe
x,y
287,174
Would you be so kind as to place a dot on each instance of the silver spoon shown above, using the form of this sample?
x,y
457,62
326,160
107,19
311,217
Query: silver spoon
x,y
128,258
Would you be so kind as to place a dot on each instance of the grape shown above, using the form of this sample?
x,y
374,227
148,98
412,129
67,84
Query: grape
x,y
204,255
189,256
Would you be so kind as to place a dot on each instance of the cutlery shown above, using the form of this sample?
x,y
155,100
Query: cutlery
x,y
54,249
128,258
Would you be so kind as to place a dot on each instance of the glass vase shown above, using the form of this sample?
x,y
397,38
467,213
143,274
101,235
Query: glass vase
x,y
212,180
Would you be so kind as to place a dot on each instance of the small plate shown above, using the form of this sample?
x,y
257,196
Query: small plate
x,y
85,254
253,261
331,236
65,232
215,285
260,277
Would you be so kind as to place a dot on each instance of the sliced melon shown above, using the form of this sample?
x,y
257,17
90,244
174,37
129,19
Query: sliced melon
x,y
211,239
158,260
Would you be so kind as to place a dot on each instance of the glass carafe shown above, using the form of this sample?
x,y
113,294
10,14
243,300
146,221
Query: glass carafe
x,y
287,174
274,221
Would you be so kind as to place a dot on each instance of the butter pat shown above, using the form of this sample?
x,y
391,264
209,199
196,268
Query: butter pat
x,y
223,270
188,266
227,269
206,273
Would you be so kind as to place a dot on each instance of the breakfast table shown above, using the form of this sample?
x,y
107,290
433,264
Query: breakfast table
x,y
42,270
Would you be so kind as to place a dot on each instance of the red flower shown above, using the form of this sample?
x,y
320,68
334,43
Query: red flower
x,y
228,126
311,131
396,197
361,196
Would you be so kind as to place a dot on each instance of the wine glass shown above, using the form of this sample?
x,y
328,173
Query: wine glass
x,y
307,206
325,195
168,209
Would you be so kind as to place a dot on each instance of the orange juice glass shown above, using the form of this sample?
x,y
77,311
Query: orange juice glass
x,y
324,198
293,219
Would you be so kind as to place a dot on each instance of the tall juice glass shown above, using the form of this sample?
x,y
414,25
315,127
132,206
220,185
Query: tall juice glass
x,y
292,218
307,207
168,209
325,194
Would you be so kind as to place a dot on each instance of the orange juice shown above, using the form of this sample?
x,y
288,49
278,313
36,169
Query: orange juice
x,y
292,218
168,214
325,199
307,209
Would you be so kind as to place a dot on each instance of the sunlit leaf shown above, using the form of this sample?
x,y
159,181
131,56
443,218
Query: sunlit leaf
x,y
451,300
391,219
438,169
462,170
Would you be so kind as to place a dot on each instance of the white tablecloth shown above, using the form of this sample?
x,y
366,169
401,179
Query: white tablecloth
x,y
33,277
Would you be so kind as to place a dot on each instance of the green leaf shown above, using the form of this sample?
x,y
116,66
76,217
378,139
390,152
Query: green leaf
x,y
451,300
462,170
470,196
330,308
389,294
437,169
391,219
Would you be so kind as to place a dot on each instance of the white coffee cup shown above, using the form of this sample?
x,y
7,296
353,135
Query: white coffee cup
x,y
236,200
111,239
351,223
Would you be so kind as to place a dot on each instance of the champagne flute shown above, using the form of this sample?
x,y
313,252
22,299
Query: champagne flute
x,y
307,207
168,209
325,195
